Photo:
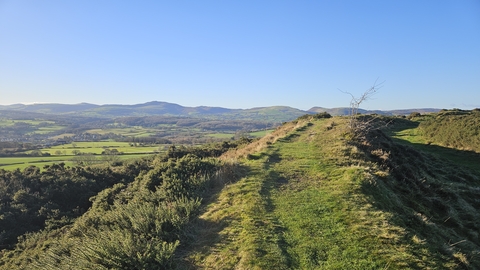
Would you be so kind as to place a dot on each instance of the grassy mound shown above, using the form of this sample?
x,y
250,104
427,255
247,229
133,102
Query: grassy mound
x,y
453,128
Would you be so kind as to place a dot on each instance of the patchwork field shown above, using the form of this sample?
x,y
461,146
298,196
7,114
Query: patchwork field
x,y
69,153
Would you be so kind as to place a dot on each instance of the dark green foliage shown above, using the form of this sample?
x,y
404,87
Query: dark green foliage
x,y
127,217
31,200
314,116
137,226
414,115
454,128
208,150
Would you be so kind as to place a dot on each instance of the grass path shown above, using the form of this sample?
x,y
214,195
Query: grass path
x,y
309,200
301,205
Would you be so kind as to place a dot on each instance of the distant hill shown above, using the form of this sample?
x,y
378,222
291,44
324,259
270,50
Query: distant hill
x,y
54,108
271,114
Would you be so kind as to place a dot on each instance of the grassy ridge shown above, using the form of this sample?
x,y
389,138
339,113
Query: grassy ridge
x,y
455,129
310,200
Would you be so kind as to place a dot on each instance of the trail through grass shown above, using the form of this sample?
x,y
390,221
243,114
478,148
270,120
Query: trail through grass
x,y
301,205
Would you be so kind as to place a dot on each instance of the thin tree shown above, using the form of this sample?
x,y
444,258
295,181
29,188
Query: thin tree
x,y
357,126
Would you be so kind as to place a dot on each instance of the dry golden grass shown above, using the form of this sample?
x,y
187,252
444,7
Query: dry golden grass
x,y
262,143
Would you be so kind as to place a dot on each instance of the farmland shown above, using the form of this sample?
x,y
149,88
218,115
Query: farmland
x,y
44,139
71,154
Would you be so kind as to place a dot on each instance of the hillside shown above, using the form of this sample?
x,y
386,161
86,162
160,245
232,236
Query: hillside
x,y
272,114
453,128
311,200
306,196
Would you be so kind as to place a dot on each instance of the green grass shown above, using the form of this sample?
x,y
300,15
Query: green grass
x,y
226,136
99,147
65,153
293,210
12,163
413,136
47,130
260,133
127,131
312,201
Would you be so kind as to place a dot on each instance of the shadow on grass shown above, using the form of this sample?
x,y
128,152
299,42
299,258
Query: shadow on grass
x,y
463,158
272,181
432,193
205,236
201,235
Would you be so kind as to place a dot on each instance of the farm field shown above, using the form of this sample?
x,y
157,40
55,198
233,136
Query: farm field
x,y
126,131
22,137
99,147
10,122
46,130
66,153
13,163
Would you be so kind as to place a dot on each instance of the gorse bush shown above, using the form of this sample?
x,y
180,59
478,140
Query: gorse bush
x,y
314,116
136,221
137,226
137,235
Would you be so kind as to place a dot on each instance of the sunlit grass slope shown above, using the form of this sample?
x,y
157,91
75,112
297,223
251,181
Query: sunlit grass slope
x,y
310,199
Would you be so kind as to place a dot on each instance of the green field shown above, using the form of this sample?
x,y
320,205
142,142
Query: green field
x,y
47,130
99,147
9,122
13,163
261,133
66,153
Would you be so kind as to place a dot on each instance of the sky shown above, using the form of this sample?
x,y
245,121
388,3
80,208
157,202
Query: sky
x,y
241,54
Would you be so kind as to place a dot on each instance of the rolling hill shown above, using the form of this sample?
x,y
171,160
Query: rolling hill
x,y
277,113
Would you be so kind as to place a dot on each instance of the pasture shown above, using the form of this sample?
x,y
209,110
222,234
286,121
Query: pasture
x,y
67,153
99,147
13,163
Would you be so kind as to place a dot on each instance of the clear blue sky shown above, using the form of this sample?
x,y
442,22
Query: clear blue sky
x,y
241,54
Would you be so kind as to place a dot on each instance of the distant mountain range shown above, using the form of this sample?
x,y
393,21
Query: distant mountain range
x,y
272,113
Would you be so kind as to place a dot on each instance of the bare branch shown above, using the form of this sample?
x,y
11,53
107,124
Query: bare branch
x,y
356,126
